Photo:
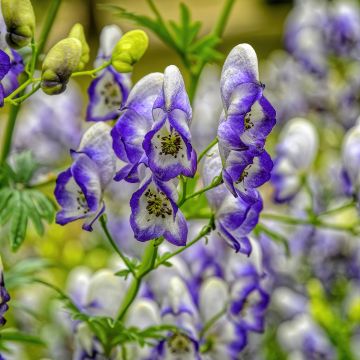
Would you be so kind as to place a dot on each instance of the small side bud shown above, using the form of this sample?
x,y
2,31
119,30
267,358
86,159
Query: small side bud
x,y
128,50
77,32
19,18
60,62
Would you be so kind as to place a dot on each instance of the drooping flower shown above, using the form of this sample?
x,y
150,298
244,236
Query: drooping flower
x,y
295,154
168,144
235,217
134,123
4,296
79,189
155,213
4,69
248,116
109,91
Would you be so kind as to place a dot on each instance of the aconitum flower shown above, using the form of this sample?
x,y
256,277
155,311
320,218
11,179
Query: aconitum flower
x,y
248,116
4,69
168,144
235,217
134,123
109,91
4,297
79,189
155,213
296,153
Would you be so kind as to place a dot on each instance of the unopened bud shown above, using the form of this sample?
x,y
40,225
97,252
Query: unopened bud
x,y
128,50
19,18
60,62
77,32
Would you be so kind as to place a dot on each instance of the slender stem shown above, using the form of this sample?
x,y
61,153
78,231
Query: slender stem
x,y
147,265
50,180
216,182
93,71
205,231
19,89
212,321
27,95
314,222
206,150
350,204
114,246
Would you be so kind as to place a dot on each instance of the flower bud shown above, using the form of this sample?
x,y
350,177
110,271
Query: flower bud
x,y
129,49
19,18
60,62
77,32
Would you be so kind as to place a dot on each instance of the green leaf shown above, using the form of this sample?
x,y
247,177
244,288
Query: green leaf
x,y
24,166
17,336
10,207
32,212
123,273
44,205
18,224
5,195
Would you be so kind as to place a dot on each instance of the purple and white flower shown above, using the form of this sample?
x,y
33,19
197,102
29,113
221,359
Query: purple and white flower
x,y
109,91
4,296
155,213
5,66
168,144
296,153
79,189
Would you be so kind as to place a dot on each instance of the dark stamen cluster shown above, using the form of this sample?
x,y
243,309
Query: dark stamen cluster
x,y
179,344
171,144
111,94
82,203
243,175
157,204
248,123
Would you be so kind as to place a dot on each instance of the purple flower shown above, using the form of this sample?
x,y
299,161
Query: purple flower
x,y
79,189
109,91
4,297
10,82
154,212
168,144
248,117
4,69
134,123
295,154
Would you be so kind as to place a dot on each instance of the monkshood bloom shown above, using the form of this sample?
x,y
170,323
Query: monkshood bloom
x,y
296,152
154,212
235,218
134,123
168,144
109,91
4,69
4,297
248,116
351,164
79,189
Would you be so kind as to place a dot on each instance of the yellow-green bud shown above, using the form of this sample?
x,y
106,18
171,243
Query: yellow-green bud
x,y
60,62
129,49
19,19
77,32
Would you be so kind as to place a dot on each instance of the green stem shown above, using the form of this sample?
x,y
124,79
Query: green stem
x,y
114,246
147,265
350,204
314,222
216,182
206,150
21,99
93,71
211,322
205,231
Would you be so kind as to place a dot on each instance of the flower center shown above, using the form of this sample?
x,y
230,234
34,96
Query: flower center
x,y
112,95
82,203
243,175
179,344
247,121
158,204
171,144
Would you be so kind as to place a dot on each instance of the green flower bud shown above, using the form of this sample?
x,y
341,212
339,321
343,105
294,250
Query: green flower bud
x,y
60,62
129,49
77,32
19,18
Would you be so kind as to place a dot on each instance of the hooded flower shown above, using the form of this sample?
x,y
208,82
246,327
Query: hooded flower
x,y
154,212
109,91
295,154
235,218
5,66
4,297
168,144
248,116
79,189
134,123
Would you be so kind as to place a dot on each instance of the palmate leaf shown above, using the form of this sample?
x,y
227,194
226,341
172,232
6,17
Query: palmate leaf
x,y
18,207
